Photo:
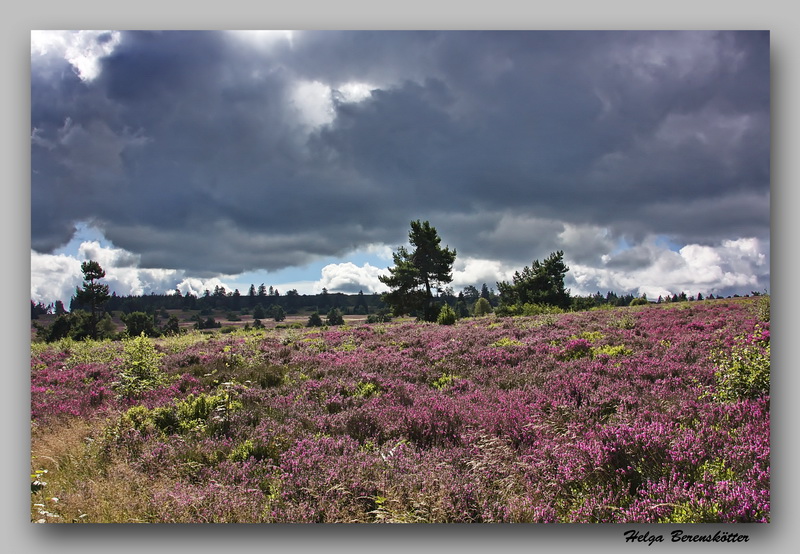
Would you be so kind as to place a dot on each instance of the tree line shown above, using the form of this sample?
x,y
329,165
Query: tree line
x,y
538,288
418,285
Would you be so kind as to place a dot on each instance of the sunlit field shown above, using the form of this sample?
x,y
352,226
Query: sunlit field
x,y
656,413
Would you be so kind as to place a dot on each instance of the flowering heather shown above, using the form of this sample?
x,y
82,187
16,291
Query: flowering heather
x,y
647,414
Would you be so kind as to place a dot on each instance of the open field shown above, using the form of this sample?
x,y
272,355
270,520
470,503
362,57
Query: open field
x,y
646,414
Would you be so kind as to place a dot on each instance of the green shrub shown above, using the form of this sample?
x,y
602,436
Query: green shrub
x,y
76,325
505,341
482,307
314,320
762,308
193,413
527,309
591,336
140,368
744,373
278,313
140,322
447,316
611,351
381,316
334,317
444,381
366,389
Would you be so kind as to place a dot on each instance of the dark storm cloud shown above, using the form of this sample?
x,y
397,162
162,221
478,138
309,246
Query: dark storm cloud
x,y
196,151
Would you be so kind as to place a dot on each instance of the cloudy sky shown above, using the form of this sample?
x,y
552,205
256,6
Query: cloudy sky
x,y
297,159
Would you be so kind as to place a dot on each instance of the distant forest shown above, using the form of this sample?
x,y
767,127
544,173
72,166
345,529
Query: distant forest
x,y
265,298
220,299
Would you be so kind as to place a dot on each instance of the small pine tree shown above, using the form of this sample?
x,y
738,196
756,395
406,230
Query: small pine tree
x,y
93,293
461,309
334,317
140,322
447,316
482,307
172,327
140,368
314,320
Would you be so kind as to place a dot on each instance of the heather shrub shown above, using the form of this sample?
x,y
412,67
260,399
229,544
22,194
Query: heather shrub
x,y
527,309
267,375
491,420
574,349
625,321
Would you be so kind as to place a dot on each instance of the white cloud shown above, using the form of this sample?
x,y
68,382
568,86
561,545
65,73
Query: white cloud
x,y
354,91
263,38
56,276
476,272
734,266
198,287
379,250
349,278
107,256
314,100
82,49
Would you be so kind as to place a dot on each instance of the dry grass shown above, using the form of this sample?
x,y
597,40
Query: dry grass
x,y
81,486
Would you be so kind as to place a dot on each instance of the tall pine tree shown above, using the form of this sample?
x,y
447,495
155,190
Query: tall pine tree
x,y
417,272
93,293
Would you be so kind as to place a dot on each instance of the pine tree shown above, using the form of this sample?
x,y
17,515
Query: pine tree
x,y
92,294
542,283
417,272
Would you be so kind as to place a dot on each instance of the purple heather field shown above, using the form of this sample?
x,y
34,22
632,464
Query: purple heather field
x,y
641,414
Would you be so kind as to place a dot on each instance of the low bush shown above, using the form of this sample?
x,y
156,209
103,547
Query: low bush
x,y
745,372
762,308
140,368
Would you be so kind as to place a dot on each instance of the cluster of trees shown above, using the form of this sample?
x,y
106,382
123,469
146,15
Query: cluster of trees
x,y
335,317
96,323
428,266
91,306
535,289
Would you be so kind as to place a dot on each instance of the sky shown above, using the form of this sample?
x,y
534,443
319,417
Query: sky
x,y
297,159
